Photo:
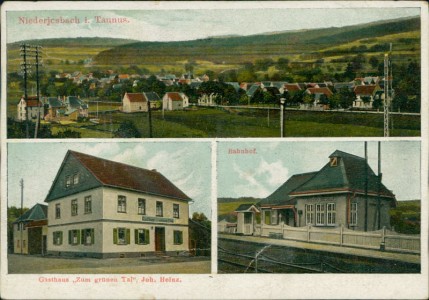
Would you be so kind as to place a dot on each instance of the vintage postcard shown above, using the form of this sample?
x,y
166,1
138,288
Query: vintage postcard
x,y
214,150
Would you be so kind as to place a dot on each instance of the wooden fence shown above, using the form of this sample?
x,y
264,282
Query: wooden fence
x,y
383,239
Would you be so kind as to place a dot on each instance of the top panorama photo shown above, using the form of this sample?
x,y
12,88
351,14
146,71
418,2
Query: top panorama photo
x,y
213,73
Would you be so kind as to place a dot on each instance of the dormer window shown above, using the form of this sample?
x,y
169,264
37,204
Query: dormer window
x,y
333,161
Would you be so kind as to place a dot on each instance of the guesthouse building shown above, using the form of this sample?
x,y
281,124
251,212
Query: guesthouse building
x,y
102,208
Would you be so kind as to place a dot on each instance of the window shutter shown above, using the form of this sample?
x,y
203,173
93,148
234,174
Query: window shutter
x,y
92,236
78,236
128,235
70,237
136,236
61,237
146,236
82,236
115,236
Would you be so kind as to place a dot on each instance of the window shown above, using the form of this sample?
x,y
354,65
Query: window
x,y
159,212
74,237
248,218
333,161
87,236
141,210
267,217
57,237
178,237
330,213
320,214
175,210
121,236
353,214
23,243
141,236
58,211
75,179
274,218
309,219
18,245
122,204
68,181
88,204
74,207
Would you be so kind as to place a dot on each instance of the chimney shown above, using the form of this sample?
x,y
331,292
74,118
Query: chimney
x,y
154,170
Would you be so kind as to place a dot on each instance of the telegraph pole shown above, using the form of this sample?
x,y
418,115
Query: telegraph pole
x,y
30,51
37,51
366,187
149,118
387,90
21,224
25,69
379,188
282,111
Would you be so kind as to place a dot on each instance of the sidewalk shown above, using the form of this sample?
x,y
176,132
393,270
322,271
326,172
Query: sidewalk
x,y
394,256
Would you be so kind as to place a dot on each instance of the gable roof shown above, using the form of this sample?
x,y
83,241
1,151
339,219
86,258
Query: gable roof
x,y
54,102
175,96
114,174
366,89
323,90
37,212
151,96
281,195
347,176
246,207
292,87
135,97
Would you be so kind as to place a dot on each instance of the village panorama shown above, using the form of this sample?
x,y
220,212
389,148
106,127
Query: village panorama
x,y
101,87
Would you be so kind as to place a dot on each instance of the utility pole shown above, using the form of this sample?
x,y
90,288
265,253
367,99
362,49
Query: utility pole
x,y
25,69
21,224
30,51
366,187
379,188
149,118
282,111
387,91
37,52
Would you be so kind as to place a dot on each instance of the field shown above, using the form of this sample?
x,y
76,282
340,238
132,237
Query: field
x,y
217,122
226,208
222,122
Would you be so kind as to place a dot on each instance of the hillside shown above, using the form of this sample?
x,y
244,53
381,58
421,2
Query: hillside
x,y
227,206
227,50
75,42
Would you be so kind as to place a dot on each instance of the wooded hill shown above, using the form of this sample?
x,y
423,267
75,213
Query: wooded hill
x,y
240,49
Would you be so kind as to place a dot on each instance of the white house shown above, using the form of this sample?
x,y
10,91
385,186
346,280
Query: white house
x,y
137,102
34,107
101,208
175,101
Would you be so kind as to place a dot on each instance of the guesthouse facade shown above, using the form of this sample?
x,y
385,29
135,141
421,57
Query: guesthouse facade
x,y
101,208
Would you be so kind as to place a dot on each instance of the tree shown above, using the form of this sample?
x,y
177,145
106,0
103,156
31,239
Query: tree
x,y
373,61
127,129
283,63
346,97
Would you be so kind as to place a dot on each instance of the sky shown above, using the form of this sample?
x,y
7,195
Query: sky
x,y
258,175
189,24
186,164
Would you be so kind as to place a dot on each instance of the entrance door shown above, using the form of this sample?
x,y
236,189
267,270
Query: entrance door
x,y
159,239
